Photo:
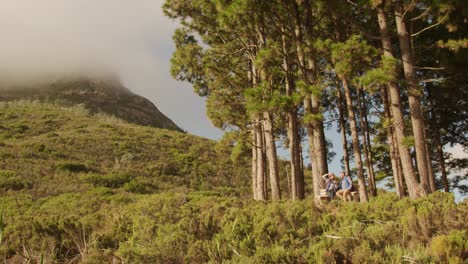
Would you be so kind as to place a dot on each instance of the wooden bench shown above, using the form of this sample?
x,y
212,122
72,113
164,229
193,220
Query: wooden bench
x,y
323,196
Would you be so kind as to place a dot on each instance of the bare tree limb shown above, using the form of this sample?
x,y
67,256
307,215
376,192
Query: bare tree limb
x,y
410,6
431,68
421,15
427,28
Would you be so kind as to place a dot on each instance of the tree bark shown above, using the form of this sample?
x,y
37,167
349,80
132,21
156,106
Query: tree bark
x,y
297,175
438,145
354,135
342,122
261,194
370,154
414,189
319,141
401,182
254,164
366,145
432,184
394,157
316,135
414,97
440,155
433,125
250,76
271,156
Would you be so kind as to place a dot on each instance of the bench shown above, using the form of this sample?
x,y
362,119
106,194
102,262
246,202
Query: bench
x,y
323,196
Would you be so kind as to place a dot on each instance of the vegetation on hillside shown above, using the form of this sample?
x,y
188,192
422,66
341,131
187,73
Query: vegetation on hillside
x,y
51,150
104,95
94,189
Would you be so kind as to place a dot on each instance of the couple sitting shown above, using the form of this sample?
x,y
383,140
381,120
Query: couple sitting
x,y
343,191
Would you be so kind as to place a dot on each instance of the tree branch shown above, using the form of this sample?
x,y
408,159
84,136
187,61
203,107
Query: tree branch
x,y
410,6
427,28
421,15
431,68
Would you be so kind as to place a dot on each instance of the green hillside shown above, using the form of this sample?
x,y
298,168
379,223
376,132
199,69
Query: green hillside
x,y
53,150
98,95
82,188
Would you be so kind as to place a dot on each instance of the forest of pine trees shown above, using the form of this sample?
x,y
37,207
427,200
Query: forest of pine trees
x,y
390,75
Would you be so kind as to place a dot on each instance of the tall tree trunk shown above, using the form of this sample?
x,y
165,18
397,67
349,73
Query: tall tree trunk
x,y
354,135
432,179
401,182
261,194
366,146
344,140
293,130
414,97
265,161
432,184
414,189
440,156
394,157
317,121
370,155
438,144
250,76
254,164
271,156
316,135
319,141
294,151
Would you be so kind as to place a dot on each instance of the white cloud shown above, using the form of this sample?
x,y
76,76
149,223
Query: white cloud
x,y
129,38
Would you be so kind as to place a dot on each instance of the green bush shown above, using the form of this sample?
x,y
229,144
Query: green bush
x,y
72,167
141,186
112,180
10,181
451,248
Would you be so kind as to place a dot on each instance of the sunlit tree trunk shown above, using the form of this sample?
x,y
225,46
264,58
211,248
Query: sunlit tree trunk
x,y
271,156
355,138
316,135
261,194
414,97
432,184
342,122
440,156
414,189
394,156
254,164
366,145
370,155
293,129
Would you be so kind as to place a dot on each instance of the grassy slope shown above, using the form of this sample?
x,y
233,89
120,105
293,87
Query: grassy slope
x,y
106,96
58,149
80,188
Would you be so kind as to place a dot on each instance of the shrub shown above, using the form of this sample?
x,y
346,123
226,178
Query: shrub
x,y
112,180
72,167
10,181
140,185
451,248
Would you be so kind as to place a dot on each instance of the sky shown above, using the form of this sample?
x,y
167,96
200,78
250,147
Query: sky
x,y
130,38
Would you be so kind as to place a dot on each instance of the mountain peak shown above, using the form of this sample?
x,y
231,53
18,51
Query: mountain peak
x,y
98,94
